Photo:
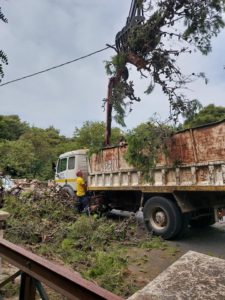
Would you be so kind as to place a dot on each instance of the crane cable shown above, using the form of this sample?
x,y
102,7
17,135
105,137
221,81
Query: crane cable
x,y
54,67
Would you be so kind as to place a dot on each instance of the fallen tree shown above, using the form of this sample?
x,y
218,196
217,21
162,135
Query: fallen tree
x,y
172,29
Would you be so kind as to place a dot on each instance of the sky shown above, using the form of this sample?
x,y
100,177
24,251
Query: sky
x,y
44,33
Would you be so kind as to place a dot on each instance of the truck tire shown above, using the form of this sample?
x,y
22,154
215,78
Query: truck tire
x,y
203,221
162,217
67,191
184,226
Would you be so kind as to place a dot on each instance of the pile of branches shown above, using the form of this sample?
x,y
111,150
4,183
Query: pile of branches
x,y
37,210
41,213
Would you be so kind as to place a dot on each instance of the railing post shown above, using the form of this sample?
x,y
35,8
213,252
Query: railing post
x,y
27,287
3,217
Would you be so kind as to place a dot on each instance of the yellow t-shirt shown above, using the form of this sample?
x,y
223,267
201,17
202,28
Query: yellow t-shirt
x,y
80,186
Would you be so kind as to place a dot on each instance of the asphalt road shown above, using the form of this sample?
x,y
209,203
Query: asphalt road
x,y
210,240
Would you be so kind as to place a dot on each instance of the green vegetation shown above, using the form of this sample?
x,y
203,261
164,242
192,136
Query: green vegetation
x,y
172,29
98,248
148,140
11,128
3,56
208,114
91,136
144,144
29,152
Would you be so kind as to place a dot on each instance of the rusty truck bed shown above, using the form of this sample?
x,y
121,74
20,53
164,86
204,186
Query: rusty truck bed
x,y
195,161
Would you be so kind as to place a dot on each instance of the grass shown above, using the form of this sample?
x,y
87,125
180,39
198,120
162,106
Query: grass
x,y
97,248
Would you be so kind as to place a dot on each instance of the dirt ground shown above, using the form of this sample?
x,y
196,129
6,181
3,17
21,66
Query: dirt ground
x,y
154,262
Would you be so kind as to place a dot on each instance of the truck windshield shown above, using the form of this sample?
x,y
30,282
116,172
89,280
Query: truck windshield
x,y
62,165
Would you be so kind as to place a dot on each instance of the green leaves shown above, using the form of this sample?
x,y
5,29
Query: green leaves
x,y
91,136
145,142
116,64
17,157
3,56
172,28
207,114
29,151
11,127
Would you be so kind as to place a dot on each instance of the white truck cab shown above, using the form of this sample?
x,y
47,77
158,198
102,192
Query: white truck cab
x,y
67,166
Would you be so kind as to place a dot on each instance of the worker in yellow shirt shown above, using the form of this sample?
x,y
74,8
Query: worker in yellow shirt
x,y
82,200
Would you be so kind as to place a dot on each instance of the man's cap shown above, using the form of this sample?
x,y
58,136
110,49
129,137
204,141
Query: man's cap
x,y
79,172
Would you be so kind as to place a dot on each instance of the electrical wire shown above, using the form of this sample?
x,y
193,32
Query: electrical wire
x,y
55,67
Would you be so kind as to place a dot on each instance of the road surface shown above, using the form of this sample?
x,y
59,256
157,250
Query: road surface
x,y
210,240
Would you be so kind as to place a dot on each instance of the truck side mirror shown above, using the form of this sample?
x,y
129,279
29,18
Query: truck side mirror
x,y
53,166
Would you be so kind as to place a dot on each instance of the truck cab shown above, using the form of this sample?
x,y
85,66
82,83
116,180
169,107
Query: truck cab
x,y
67,166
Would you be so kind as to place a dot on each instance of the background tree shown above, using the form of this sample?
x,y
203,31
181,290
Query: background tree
x,y
207,114
3,57
91,136
17,158
46,145
173,28
29,151
11,127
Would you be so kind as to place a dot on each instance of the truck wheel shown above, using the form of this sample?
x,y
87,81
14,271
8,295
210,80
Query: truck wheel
x,y
162,217
203,221
185,221
67,191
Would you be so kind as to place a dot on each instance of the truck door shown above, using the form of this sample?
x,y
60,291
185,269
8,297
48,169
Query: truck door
x,y
61,171
71,172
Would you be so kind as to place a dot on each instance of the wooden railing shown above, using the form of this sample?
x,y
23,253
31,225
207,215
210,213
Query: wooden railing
x,y
35,270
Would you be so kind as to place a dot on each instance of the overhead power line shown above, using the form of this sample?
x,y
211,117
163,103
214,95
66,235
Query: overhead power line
x,y
54,67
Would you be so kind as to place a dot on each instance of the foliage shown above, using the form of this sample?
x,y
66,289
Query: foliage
x,y
11,127
145,142
207,114
119,92
148,140
118,62
3,56
173,29
100,249
91,136
29,151
17,157
51,227
192,109
44,144
156,243
109,269
33,221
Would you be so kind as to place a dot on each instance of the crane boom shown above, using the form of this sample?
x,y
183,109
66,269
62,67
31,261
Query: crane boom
x,y
136,16
135,11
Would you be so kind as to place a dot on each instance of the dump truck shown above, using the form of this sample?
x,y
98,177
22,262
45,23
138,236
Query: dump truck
x,y
187,185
